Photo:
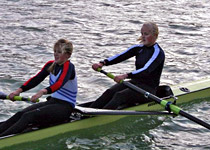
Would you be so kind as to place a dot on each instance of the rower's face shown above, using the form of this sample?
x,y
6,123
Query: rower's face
x,y
148,38
60,57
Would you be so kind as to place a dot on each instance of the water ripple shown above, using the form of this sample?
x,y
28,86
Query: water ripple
x,y
101,29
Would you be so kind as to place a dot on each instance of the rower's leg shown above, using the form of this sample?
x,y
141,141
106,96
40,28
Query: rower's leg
x,y
127,97
5,125
53,113
11,121
107,96
121,98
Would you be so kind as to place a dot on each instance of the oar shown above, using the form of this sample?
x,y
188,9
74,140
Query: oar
x,y
166,104
16,98
95,112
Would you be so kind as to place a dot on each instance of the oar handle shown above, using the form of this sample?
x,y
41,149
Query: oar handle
x,y
166,104
17,98
20,98
108,74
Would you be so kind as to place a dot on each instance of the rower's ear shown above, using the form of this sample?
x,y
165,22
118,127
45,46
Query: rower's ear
x,y
164,91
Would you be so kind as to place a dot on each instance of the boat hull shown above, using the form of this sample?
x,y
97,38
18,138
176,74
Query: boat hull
x,y
193,91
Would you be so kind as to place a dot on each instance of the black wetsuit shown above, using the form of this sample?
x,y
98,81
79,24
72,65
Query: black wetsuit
x,y
149,64
46,113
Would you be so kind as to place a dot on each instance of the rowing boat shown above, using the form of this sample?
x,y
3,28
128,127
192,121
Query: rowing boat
x,y
184,93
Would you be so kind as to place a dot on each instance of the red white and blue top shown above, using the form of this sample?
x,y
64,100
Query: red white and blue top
x,y
63,83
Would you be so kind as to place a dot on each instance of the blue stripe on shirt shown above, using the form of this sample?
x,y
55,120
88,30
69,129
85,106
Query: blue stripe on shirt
x,y
151,60
113,57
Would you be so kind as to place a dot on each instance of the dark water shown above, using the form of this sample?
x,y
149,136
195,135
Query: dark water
x,y
100,29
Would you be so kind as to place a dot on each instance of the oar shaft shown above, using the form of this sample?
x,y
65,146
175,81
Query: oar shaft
x,y
194,119
140,113
95,111
175,109
147,95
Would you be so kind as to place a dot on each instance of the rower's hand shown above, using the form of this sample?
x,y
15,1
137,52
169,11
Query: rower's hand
x,y
97,65
38,95
12,95
15,93
120,78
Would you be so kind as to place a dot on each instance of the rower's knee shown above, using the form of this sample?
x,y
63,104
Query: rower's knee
x,y
29,117
120,96
19,114
115,102
109,92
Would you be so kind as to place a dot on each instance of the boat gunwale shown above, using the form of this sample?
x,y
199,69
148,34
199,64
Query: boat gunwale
x,y
7,140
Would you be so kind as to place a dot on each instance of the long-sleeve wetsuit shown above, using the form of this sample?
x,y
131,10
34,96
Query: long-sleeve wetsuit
x,y
149,65
57,109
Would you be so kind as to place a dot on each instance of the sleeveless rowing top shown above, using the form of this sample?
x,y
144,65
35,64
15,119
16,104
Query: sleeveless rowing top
x,y
67,92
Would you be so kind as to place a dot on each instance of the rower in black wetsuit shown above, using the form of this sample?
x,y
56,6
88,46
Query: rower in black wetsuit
x,y
149,64
63,90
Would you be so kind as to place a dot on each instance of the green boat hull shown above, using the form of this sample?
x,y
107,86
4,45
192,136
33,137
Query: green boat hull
x,y
196,90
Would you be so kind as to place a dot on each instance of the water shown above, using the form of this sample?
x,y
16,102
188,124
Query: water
x,y
100,29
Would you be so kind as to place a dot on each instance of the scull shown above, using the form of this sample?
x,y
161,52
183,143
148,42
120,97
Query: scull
x,y
184,93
